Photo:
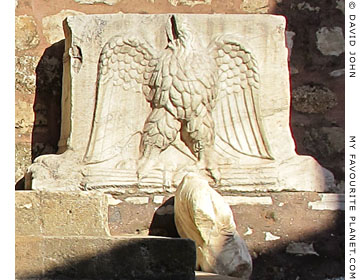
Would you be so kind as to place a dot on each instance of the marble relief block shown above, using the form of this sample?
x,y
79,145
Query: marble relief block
x,y
149,98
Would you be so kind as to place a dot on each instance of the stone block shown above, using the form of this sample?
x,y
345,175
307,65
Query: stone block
x,y
106,258
74,213
29,252
27,213
61,213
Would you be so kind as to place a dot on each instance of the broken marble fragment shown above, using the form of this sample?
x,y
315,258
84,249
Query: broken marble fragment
x,y
202,215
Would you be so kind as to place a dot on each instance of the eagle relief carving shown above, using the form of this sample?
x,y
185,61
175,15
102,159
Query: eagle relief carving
x,y
202,103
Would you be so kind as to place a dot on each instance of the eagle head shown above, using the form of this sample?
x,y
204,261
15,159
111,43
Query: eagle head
x,y
178,32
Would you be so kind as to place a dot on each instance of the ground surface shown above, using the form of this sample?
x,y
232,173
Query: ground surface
x,y
288,221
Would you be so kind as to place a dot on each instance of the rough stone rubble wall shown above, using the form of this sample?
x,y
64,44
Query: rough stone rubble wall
x,y
315,33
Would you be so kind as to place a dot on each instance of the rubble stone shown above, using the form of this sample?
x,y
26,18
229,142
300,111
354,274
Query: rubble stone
x,y
330,41
257,6
189,2
22,159
26,36
107,2
25,78
325,142
313,98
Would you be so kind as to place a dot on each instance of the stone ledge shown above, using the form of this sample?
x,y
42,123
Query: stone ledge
x,y
101,214
74,257
249,200
329,202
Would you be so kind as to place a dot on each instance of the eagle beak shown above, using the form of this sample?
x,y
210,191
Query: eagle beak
x,y
169,31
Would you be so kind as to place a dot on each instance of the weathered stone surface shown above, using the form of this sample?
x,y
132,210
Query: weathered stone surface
x,y
52,25
137,200
153,150
22,159
202,215
236,200
301,249
336,137
28,256
26,36
255,6
74,257
107,2
61,213
330,41
270,237
158,199
313,99
74,214
25,78
340,4
337,73
314,175
24,116
326,141
27,213
42,176
329,202
189,2
306,6
131,218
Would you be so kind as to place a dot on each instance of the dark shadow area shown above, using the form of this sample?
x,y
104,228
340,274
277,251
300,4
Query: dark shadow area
x,y
318,107
130,259
20,185
47,104
163,222
276,263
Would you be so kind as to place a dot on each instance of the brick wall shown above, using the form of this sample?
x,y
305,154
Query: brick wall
x,y
315,32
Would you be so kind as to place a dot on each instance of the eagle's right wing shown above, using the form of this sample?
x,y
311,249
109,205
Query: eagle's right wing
x,y
125,67
238,124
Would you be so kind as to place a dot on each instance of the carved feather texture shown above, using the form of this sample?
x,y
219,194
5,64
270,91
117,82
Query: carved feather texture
x,y
125,65
236,115
208,90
